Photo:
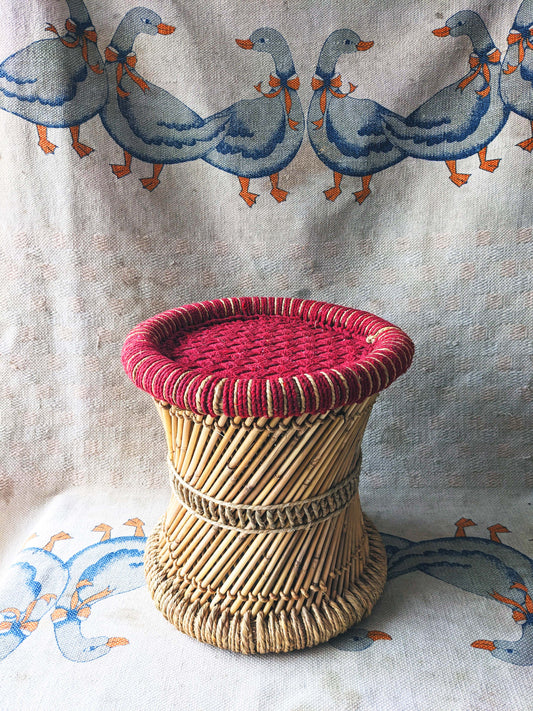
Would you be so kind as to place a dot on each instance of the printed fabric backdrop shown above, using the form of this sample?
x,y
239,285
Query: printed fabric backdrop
x,y
372,154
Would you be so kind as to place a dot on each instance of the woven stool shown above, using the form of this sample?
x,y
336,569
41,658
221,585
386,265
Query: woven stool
x,y
264,546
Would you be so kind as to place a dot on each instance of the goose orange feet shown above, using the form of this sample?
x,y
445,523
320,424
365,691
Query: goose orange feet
x,y
105,529
495,529
277,193
248,197
461,525
527,145
116,642
139,531
361,195
81,149
152,183
333,193
489,165
61,536
46,145
458,179
121,170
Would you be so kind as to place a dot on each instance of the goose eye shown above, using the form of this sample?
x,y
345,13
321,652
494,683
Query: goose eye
x,y
262,39
146,21
509,651
347,42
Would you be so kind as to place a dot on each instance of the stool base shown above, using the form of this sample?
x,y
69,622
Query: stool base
x,y
260,634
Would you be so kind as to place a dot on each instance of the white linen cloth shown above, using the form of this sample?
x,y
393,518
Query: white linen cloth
x,y
428,662
85,256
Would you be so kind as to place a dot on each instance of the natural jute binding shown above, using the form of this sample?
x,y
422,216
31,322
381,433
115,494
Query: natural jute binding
x,y
264,547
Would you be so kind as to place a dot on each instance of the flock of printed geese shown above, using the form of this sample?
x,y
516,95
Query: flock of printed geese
x,y
63,81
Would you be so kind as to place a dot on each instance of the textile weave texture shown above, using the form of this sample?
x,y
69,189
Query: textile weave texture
x,y
339,151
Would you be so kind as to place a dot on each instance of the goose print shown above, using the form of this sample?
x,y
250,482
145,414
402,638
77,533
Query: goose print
x,y
347,133
63,81
57,82
264,134
40,582
482,566
29,591
517,69
462,119
146,121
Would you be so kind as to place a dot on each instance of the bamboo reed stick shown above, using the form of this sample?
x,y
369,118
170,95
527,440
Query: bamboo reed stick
x,y
264,462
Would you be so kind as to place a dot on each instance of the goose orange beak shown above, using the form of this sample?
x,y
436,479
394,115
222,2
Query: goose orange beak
x,y
376,634
245,44
484,644
116,642
363,46
165,29
442,31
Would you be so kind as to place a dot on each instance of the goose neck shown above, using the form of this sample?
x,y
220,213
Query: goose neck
x,y
123,38
481,39
78,12
284,65
327,61
524,16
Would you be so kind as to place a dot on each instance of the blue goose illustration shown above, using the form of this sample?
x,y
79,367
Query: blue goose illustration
x,y
347,133
516,80
485,567
32,586
39,582
146,121
57,82
463,118
474,565
263,134
111,567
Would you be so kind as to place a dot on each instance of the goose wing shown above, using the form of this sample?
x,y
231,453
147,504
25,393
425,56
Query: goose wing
x,y
254,127
526,68
448,117
46,71
159,118
476,565
355,127
116,572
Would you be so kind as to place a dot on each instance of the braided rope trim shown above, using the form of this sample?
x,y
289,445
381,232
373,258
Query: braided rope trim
x,y
389,354
290,516
261,634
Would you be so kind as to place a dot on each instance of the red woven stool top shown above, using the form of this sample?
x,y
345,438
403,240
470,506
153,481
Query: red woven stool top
x,y
264,357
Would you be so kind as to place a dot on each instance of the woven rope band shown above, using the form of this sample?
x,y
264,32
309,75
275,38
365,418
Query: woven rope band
x,y
274,518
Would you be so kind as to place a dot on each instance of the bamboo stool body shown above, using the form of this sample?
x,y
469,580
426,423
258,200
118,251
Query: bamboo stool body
x,y
264,546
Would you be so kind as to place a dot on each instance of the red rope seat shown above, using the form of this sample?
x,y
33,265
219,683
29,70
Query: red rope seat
x,y
264,357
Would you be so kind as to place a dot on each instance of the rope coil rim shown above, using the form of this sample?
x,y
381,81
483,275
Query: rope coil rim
x,y
387,354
